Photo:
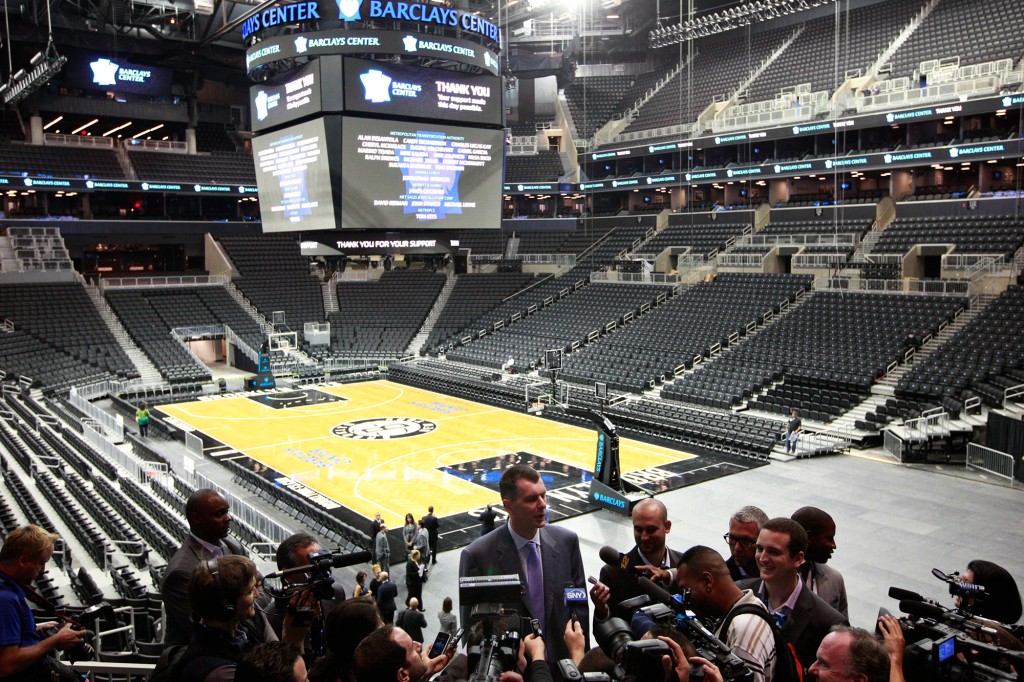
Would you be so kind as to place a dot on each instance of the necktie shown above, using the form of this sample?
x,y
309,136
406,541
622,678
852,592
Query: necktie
x,y
535,581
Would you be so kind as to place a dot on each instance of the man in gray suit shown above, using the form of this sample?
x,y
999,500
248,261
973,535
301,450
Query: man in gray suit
x,y
382,548
824,581
208,522
802,616
546,559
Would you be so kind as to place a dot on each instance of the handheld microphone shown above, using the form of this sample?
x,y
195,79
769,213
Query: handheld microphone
x,y
617,559
572,596
336,561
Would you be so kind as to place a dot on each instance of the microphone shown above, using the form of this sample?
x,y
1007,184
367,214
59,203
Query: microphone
x,y
574,595
924,610
617,559
336,561
906,595
659,595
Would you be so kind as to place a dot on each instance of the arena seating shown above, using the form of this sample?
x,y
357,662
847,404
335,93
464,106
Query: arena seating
x,y
702,238
472,296
544,166
213,137
274,276
149,315
595,100
557,326
59,337
231,168
975,31
1002,234
383,316
657,345
983,358
59,161
831,341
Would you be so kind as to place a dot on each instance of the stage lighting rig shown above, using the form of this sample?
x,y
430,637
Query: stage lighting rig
x,y
722,21
41,68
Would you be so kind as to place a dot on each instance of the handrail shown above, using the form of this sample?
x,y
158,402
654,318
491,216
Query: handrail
x,y
894,286
993,461
175,281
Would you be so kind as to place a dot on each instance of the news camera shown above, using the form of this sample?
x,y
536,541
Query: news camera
x,y
954,644
495,627
82,621
315,577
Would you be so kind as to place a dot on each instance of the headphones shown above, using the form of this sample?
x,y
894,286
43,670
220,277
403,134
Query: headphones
x,y
225,610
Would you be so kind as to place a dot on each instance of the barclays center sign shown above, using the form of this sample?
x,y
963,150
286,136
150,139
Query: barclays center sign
x,y
369,10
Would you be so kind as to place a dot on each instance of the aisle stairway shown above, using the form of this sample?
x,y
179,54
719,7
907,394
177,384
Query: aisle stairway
x,y
148,372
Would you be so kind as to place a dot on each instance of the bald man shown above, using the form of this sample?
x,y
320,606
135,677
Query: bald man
x,y
650,555
824,581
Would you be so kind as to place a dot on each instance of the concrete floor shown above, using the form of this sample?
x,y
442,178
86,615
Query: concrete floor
x,y
894,525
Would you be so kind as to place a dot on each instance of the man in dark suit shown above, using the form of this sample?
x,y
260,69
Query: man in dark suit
x,y
209,522
744,527
802,616
487,517
546,558
433,525
824,581
386,595
650,556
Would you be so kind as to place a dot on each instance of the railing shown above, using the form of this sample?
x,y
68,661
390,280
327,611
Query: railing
x,y
606,277
60,140
560,259
819,260
881,259
247,350
740,260
892,444
934,422
1013,393
898,99
178,281
838,239
112,424
993,461
242,510
971,262
895,286
157,146
193,443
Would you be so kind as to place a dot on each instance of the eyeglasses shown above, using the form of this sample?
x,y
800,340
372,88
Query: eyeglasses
x,y
731,540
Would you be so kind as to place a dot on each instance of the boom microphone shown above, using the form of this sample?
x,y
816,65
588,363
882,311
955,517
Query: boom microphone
x,y
617,559
659,595
924,610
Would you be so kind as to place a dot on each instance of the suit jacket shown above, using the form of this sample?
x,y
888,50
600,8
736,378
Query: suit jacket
x,y
734,571
381,546
810,621
495,554
174,590
386,594
828,584
412,621
432,524
624,585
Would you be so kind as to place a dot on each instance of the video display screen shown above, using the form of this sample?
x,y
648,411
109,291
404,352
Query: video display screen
x,y
377,87
294,175
309,90
399,175
118,75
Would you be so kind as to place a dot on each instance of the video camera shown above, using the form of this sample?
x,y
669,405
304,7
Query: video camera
x,y
640,660
495,627
316,577
953,644
82,621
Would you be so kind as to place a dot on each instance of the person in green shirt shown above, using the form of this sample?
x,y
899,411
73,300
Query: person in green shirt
x,y
142,419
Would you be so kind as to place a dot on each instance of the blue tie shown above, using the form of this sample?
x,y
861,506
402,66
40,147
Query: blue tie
x,y
535,581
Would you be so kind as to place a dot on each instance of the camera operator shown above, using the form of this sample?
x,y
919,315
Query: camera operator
x,y
293,552
1002,598
650,557
24,653
388,654
714,595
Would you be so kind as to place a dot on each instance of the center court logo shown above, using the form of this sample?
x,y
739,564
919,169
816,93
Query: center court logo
x,y
375,86
348,10
384,428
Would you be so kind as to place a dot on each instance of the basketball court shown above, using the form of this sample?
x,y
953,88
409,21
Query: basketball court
x,y
385,447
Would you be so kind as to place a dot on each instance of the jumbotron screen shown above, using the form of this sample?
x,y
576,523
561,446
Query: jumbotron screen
x,y
401,175
294,176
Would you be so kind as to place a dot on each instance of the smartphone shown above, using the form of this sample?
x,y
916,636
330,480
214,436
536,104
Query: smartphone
x,y
439,645
456,638
592,580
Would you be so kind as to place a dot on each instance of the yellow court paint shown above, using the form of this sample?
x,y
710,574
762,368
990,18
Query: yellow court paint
x,y
398,438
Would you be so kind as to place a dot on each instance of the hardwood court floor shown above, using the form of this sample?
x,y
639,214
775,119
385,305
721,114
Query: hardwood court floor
x,y
382,446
